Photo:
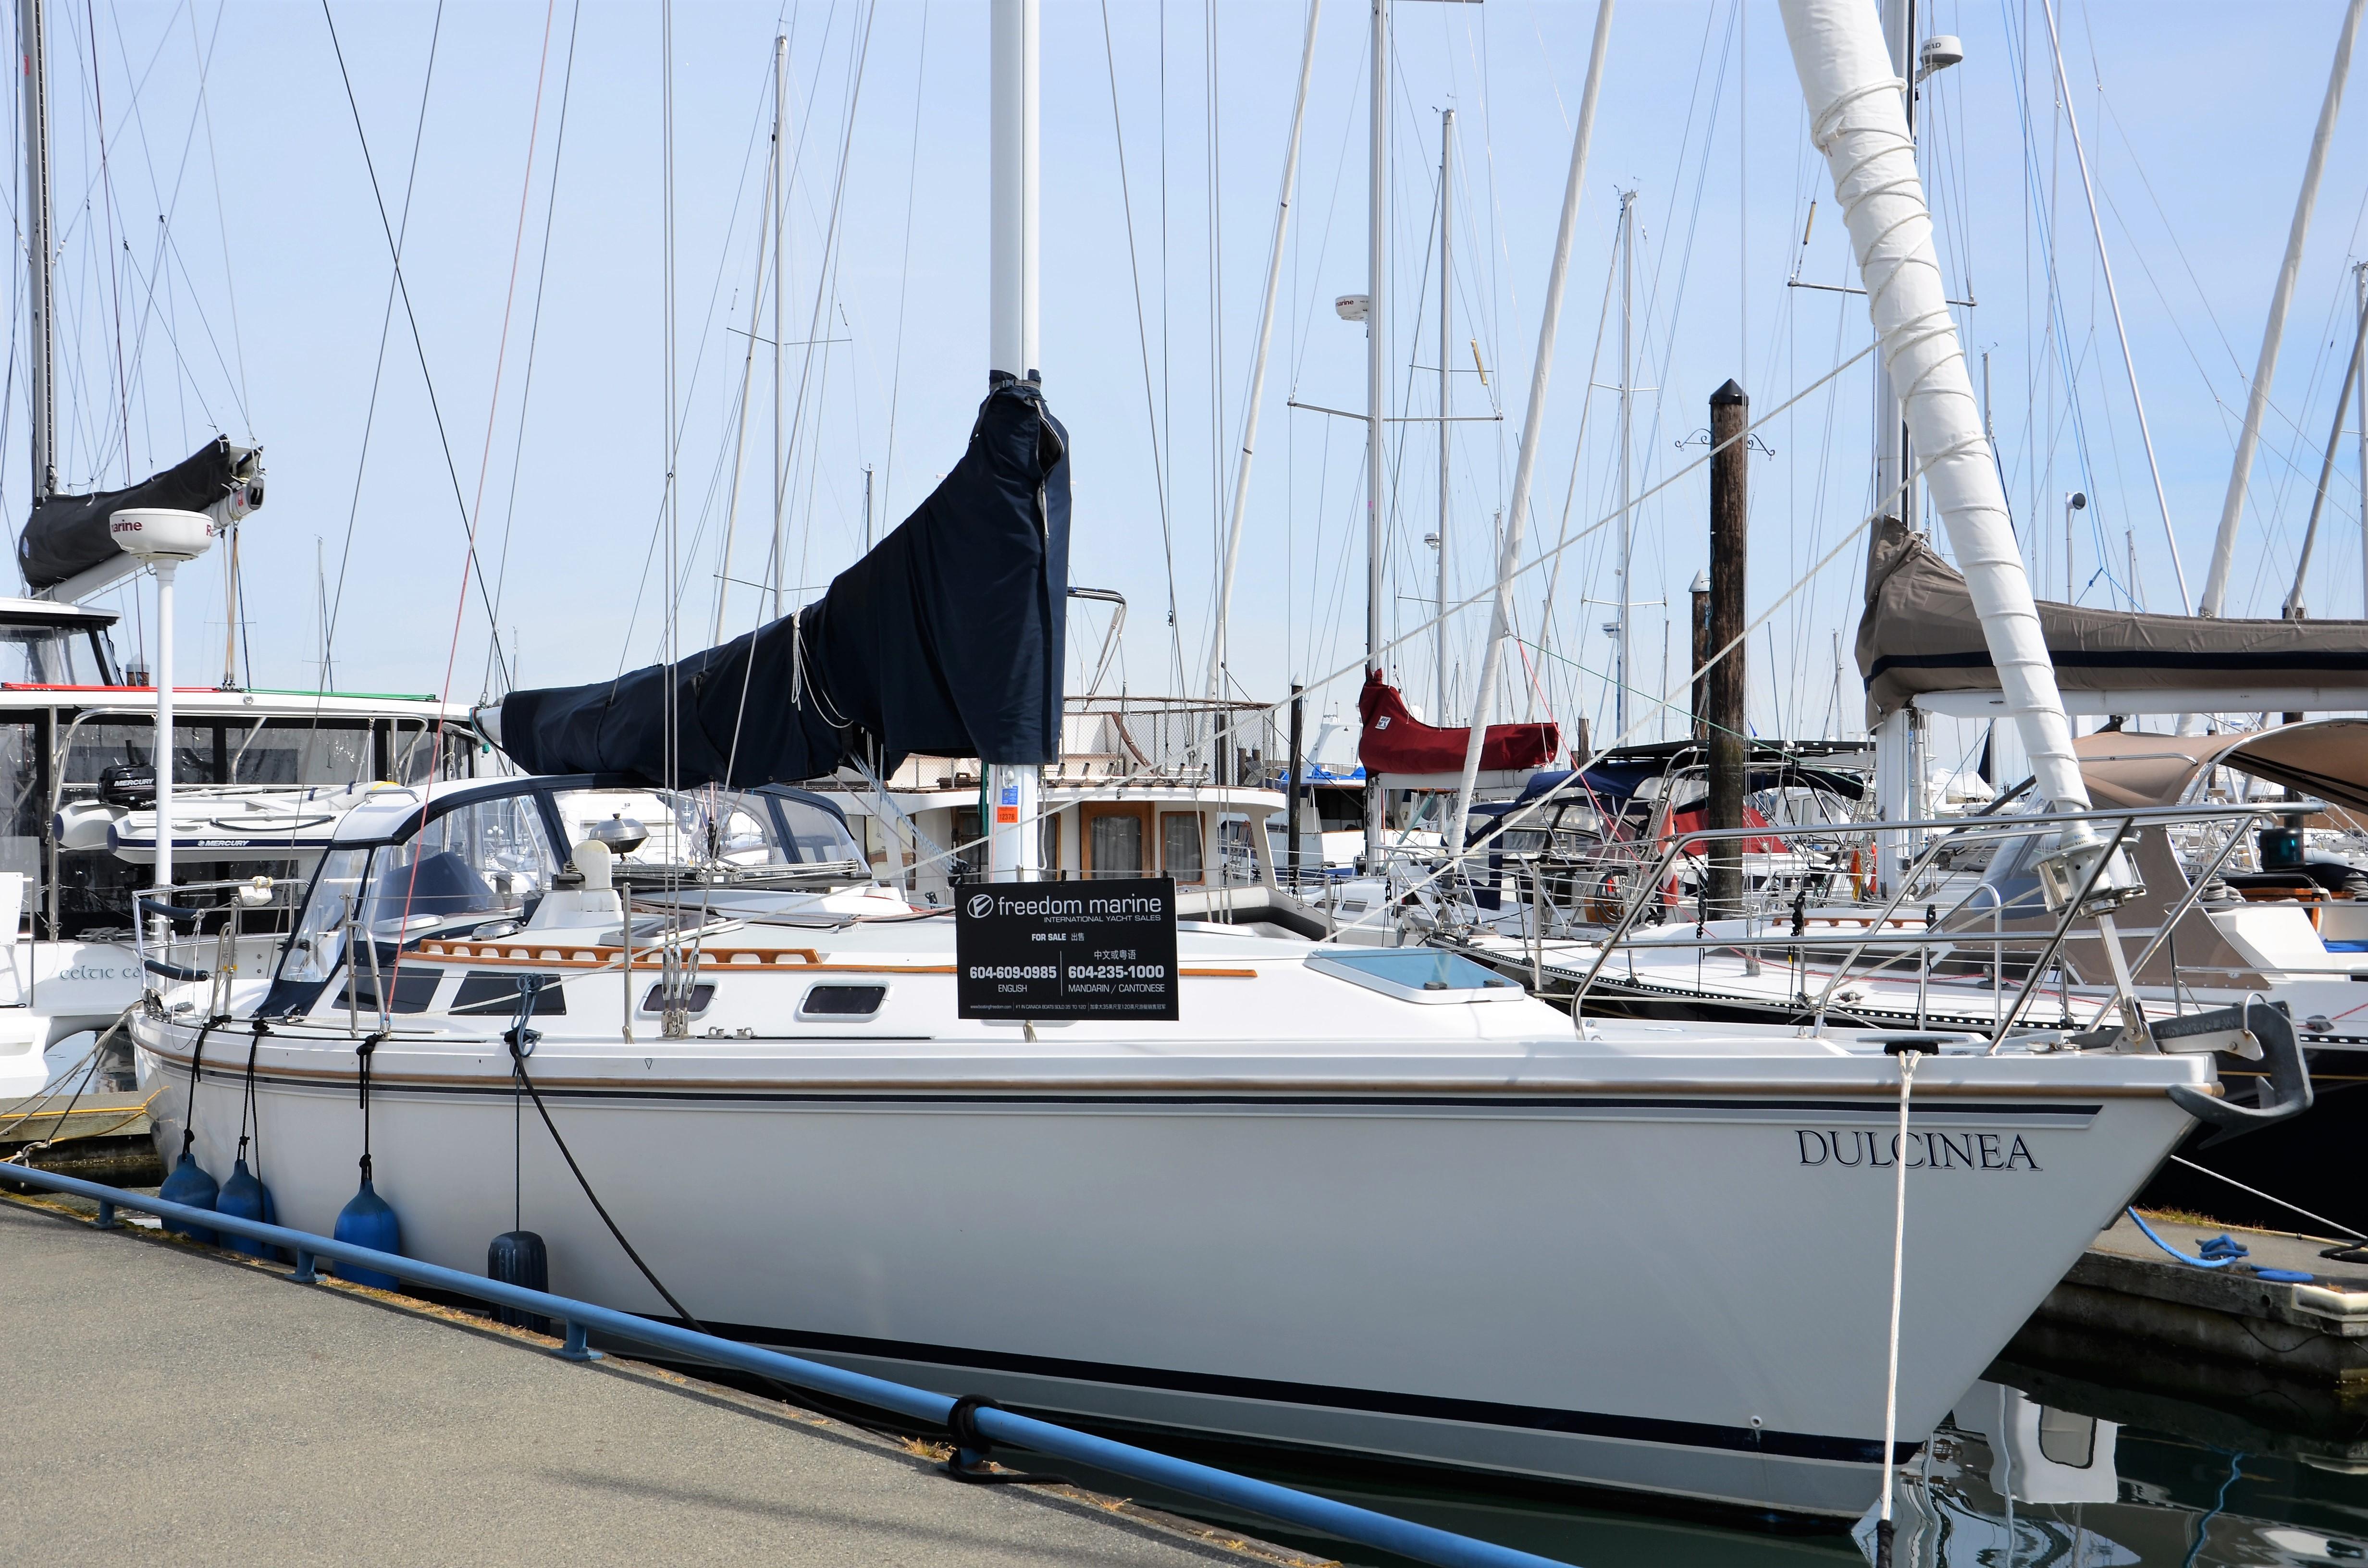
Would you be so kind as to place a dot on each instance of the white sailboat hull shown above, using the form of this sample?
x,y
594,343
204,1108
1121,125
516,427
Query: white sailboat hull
x,y
1586,1272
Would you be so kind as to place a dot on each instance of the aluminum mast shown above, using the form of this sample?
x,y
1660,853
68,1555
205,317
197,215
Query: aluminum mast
x,y
1509,558
1446,321
1377,384
1258,366
1014,842
2232,510
33,35
1627,433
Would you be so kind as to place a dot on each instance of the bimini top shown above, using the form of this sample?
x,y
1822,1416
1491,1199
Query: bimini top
x,y
2326,758
1919,634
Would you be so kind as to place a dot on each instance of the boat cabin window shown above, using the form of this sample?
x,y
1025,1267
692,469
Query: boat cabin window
x,y
24,812
696,999
1116,842
483,861
293,752
1339,810
1179,846
839,1004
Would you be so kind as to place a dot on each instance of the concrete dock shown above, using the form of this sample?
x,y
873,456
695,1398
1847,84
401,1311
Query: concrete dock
x,y
168,1403
2289,1354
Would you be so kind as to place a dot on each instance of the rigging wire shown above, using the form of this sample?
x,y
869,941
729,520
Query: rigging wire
x,y
222,219
107,209
1142,328
533,338
904,276
509,300
420,343
715,295
386,332
825,275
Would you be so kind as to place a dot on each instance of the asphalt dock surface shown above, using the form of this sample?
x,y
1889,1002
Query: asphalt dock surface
x,y
166,1404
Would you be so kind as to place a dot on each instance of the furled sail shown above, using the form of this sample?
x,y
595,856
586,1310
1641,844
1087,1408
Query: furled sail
x,y
1396,742
945,641
1919,633
67,535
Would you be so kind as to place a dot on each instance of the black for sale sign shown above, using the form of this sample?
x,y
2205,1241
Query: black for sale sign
x,y
1094,949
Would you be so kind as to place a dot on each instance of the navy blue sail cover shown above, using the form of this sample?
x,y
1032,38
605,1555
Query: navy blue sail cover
x,y
945,641
67,535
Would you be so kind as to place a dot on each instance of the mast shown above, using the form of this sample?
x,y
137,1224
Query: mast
x,y
1856,121
780,209
32,31
747,381
1627,433
1894,738
1446,318
1890,431
2232,510
1015,844
1377,384
1508,557
2294,610
2113,298
1258,364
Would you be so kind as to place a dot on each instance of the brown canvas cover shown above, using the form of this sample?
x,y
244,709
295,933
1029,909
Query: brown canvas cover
x,y
1918,633
2326,758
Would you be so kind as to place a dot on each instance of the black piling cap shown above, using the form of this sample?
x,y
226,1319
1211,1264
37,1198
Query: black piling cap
x,y
1728,393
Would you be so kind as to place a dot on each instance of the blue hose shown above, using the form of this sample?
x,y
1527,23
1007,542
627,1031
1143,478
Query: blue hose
x,y
2221,1262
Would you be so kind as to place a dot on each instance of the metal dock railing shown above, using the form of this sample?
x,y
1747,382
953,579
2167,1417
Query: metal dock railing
x,y
972,1421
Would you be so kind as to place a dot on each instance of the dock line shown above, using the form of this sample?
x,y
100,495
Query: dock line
x,y
2198,1261
1362,1526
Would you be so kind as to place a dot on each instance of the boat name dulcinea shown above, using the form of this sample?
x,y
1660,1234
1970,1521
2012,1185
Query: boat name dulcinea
x,y
1935,1151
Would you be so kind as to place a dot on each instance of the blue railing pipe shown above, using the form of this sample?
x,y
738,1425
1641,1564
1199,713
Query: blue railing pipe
x,y
1302,1509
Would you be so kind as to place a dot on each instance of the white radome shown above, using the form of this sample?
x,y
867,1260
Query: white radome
x,y
162,533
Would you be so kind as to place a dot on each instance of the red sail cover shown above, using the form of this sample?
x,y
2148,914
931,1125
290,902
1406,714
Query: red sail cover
x,y
1396,742
1694,818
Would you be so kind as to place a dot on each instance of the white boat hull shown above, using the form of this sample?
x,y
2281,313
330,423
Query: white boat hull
x,y
1554,1273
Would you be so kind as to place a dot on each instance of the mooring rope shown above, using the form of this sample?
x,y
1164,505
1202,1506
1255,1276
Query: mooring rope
x,y
362,1054
247,1108
1883,1528
521,1039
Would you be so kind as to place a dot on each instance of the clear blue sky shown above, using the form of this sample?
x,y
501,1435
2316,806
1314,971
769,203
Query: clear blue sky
x,y
256,306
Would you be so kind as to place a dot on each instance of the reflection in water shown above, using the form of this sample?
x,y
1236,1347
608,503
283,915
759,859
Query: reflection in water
x,y
2010,1480
2008,1483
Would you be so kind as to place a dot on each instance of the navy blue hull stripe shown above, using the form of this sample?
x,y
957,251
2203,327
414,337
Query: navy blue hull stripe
x,y
1979,1110
1431,1407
